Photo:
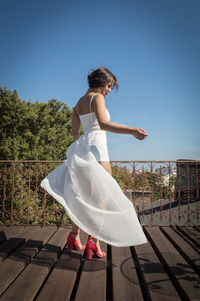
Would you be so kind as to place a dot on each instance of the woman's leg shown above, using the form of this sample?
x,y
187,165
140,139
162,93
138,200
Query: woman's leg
x,y
107,167
76,229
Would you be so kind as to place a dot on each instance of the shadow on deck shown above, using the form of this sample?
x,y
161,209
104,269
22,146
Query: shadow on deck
x,y
34,265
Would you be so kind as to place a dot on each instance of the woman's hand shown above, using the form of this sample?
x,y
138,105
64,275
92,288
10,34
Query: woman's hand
x,y
139,133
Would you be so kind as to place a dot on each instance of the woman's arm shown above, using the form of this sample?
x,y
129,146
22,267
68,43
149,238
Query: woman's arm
x,y
106,125
75,124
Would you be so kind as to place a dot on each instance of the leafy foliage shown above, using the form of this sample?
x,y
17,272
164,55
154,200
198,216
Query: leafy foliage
x,y
147,181
33,131
23,200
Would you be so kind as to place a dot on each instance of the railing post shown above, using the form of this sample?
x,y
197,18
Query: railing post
x,y
13,191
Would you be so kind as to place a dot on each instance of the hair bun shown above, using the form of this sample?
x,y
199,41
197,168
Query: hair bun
x,y
100,77
90,71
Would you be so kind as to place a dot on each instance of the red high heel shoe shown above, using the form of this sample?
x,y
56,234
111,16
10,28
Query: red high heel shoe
x,y
72,243
91,247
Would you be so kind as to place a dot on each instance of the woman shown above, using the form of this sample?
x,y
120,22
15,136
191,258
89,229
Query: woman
x,y
83,184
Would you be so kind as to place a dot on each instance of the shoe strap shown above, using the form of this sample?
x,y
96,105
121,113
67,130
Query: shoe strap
x,y
94,238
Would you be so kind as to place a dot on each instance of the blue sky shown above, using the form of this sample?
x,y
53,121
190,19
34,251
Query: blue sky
x,y
152,47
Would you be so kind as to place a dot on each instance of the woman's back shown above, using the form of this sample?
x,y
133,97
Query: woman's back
x,y
87,115
83,105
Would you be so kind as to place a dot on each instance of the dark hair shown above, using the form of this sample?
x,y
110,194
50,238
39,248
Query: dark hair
x,y
100,77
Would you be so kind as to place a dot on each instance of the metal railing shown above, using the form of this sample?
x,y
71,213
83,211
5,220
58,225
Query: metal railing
x,y
162,192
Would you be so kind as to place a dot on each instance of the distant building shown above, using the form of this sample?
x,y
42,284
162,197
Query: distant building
x,y
166,174
164,170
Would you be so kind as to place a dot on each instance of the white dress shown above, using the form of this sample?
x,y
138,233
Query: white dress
x,y
90,196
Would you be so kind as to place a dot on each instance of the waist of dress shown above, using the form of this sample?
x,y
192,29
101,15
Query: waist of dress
x,y
95,132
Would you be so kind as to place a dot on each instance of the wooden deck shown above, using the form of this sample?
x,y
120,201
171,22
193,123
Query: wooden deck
x,y
34,265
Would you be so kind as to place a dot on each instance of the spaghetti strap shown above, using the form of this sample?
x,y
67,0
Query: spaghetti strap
x,y
91,102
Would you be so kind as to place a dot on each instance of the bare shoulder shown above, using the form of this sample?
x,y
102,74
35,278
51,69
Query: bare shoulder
x,y
100,108
75,108
78,104
99,99
79,101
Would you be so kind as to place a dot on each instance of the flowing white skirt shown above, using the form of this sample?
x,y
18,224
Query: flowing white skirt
x,y
93,199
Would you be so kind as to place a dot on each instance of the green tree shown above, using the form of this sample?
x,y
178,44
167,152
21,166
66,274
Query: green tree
x,y
33,131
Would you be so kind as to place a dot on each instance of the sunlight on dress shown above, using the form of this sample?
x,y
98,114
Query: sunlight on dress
x,y
93,199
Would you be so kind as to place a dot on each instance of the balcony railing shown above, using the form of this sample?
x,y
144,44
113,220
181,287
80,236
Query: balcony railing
x,y
162,192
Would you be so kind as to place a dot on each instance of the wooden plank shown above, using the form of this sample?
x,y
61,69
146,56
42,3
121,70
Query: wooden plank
x,y
7,232
2,237
93,279
12,230
191,233
9,246
125,281
157,282
187,249
16,262
197,228
62,278
183,276
16,236
32,277
2,227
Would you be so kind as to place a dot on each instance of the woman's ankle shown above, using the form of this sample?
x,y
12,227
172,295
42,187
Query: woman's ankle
x,y
75,234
